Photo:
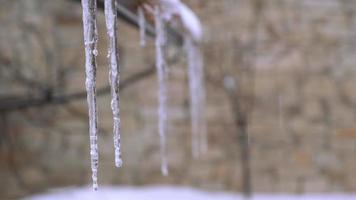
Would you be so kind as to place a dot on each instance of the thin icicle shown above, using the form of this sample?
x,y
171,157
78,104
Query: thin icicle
x,y
280,112
193,87
90,41
114,74
197,97
142,24
202,101
162,82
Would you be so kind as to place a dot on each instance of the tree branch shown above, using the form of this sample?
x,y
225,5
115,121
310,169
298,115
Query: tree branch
x,y
19,103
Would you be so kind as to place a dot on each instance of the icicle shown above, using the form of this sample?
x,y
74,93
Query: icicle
x,y
197,97
142,24
114,74
202,118
280,112
202,100
162,82
90,41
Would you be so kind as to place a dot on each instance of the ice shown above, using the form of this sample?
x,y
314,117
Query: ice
x,y
142,24
165,11
162,84
171,10
280,112
197,97
90,41
114,75
189,19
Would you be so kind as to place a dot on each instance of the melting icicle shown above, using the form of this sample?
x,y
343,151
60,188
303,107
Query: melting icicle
x,y
280,112
162,82
197,97
114,74
90,41
142,24
174,9
202,100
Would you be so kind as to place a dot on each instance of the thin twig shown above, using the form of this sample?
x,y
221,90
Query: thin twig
x,y
19,103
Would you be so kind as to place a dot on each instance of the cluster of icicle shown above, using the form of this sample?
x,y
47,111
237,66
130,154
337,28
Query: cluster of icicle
x,y
192,36
91,52
163,13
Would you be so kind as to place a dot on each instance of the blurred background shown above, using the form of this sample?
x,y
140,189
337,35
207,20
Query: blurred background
x,y
280,100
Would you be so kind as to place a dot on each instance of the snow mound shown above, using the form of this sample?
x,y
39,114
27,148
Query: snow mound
x,y
171,193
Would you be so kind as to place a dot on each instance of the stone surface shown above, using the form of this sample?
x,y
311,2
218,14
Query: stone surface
x,y
305,143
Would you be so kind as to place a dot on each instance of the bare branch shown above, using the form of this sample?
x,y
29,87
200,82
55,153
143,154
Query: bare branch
x,y
19,103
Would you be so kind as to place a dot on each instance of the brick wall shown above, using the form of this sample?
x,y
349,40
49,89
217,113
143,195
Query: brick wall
x,y
301,127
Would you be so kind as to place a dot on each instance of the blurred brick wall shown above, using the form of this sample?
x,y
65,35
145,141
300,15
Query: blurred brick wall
x,y
302,130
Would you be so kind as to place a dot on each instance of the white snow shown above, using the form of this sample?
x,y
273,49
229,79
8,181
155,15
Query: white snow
x,y
173,193
188,18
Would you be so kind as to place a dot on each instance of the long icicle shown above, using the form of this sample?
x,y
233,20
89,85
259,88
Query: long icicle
x,y
162,82
114,74
90,42
280,112
197,97
142,25
202,101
